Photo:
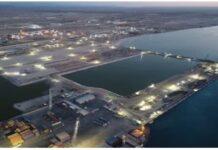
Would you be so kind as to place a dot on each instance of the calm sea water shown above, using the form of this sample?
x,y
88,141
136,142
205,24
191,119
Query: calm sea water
x,y
193,123
200,42
126,77
11,94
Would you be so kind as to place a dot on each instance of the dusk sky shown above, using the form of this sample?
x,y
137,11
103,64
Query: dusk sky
x,y
166,3
123,3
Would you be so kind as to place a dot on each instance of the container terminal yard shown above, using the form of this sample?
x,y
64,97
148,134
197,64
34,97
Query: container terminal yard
x,y
35,65
75,115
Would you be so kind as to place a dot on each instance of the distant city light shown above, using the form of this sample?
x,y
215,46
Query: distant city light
x,y
72,55
122,113
132,47
18,64
39,66
142,53
83,58
5,58
151,98
112,47
195,90
155,114
78,42
141,103
94,50
92,44
152,86
173,87
33,53
55,80
145,107
137,93
96,62
196,77
70,48
15,73
46,58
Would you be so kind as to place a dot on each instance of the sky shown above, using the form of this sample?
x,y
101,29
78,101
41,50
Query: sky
x,y
137,3
166,3
169,4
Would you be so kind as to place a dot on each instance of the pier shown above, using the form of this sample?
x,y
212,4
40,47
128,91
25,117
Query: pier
x,y
142,107
58,111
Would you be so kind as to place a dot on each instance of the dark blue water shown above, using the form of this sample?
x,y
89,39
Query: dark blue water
x,y
200,42
193,123
126,77
11,94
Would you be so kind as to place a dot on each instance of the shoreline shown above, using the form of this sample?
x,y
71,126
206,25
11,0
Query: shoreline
x,y
169,31
120,40
182,100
